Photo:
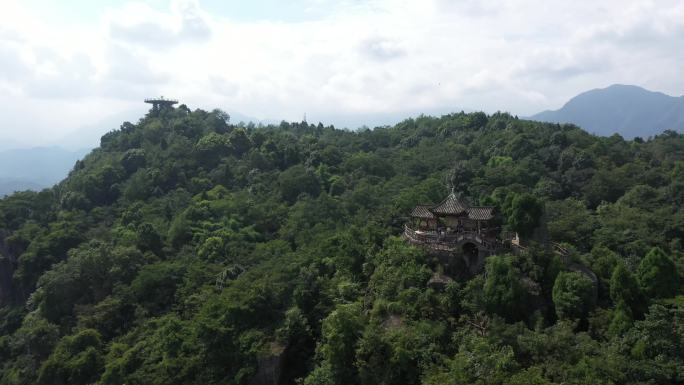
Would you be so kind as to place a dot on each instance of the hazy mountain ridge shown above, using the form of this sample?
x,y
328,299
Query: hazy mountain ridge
x,y
35,168
628,110
11,185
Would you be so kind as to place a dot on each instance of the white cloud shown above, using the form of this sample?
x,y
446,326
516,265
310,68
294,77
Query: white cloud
x,y
379,48
358,58
140,24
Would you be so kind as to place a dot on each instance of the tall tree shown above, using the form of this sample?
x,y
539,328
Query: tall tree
x,y
657,275
624,289
573,295
503,291
524,214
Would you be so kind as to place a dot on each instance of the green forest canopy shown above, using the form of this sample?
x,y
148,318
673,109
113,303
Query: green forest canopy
x,y
188,250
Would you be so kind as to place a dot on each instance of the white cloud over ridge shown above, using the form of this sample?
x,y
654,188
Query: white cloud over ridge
x,y
361,60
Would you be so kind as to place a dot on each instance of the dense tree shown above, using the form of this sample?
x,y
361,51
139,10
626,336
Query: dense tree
x,y
76,360
570,221
657,275
524,214
622,320
503,291
239,141
625,291
211,147
477,362
189,250
297,180
133,159
654,345
573,295
340,333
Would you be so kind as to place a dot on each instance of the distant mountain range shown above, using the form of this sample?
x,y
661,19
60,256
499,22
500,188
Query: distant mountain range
x,y
11,185
35,168
624,109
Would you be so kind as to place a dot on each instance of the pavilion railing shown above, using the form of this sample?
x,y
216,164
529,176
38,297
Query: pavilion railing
x,y
449,240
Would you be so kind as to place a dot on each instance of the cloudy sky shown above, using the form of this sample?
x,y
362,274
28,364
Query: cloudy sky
x,y
73,67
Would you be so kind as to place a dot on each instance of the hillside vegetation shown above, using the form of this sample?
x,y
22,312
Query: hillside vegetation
x,y
186,250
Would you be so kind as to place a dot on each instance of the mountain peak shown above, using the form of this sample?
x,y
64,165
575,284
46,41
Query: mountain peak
x,y
628,110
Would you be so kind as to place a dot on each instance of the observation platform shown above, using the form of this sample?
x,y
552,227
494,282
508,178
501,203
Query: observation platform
x,y
161,103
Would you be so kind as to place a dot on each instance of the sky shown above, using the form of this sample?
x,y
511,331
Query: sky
x,y
73,69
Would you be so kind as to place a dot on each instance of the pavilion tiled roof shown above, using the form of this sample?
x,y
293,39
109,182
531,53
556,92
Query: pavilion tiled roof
x,y
450,206
481,213
422,211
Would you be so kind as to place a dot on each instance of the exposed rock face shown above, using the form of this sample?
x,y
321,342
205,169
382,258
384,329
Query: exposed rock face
x,y
392,322
270,367
439,281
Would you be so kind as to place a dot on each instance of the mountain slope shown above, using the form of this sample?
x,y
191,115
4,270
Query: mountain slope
x,y
628,110
186,250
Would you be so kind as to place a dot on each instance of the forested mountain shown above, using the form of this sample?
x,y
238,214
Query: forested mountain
x,y
630,111
187,250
